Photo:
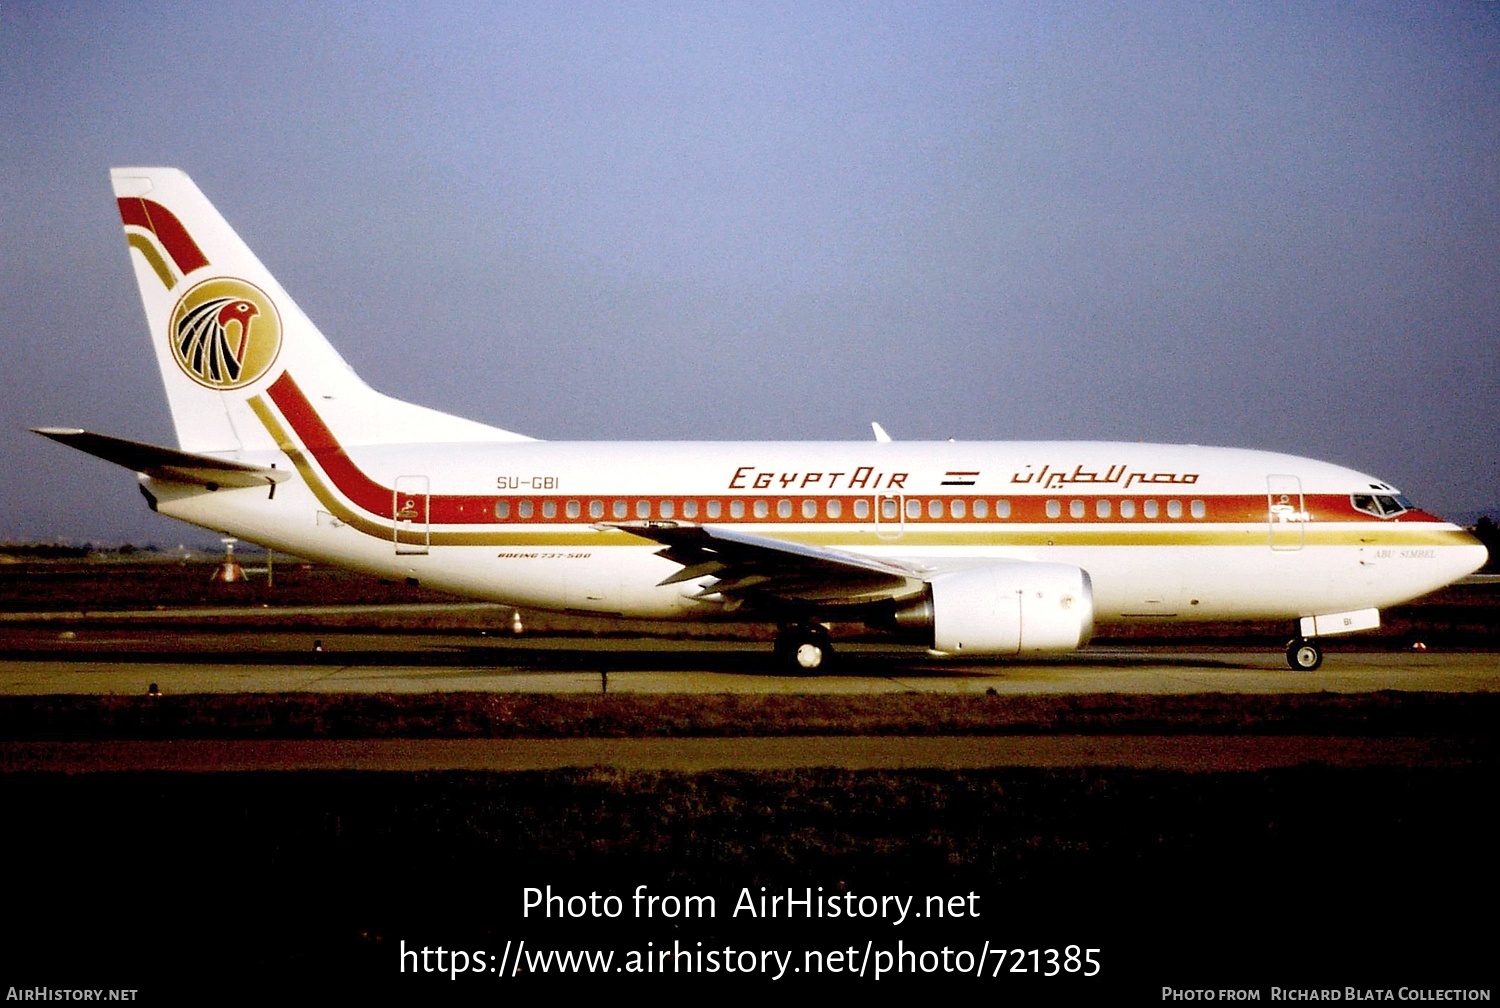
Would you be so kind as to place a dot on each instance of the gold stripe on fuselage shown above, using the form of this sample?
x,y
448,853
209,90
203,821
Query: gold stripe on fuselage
x,y
993,536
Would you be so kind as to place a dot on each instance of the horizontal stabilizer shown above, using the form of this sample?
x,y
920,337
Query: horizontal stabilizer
x,y
166,463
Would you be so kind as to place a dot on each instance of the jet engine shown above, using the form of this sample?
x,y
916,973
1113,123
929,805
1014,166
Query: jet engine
x,y
1006,609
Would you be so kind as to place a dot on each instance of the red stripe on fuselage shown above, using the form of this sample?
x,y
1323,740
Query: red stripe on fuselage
x,y
350,480
160,221
319,440
445,509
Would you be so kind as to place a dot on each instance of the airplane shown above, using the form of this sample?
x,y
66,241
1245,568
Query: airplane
x,y
972,549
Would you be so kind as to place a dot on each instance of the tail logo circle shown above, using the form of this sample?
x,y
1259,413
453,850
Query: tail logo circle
x,y
225,333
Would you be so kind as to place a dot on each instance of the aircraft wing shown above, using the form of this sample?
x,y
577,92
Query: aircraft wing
x,y
166,463
774,573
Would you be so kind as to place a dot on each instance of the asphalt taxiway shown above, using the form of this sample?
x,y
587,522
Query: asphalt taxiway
x,y
128,660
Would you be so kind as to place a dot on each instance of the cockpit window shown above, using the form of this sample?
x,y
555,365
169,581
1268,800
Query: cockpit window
x,y
1381,505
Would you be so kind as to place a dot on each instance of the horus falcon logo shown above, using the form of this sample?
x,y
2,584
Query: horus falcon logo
x,y
225,333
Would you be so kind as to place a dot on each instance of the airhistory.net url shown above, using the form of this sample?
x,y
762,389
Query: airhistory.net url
x,y
870,962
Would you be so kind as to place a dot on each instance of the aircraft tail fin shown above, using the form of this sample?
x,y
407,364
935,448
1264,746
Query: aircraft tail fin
x,y
225,332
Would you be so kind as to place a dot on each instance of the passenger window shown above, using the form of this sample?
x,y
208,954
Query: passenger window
x,y
1150,509
1127,509
502,510
737,509
549,509
809,509
762,508
957,509
861,509
1075,509
888,509
1054,509
596,509
666,509
981,509
1101,508
643,509
620,509
783,509
913,508
1174,509
690,509
1002,509
715,509
1199,509
835,509
573,509
526,509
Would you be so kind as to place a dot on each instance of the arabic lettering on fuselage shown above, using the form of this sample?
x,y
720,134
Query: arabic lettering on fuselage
x,y
1122,476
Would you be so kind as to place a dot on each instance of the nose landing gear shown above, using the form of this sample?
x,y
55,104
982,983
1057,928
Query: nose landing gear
x,y
1304,655
804,648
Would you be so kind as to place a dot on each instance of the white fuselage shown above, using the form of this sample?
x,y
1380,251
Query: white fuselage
x,y
1165,532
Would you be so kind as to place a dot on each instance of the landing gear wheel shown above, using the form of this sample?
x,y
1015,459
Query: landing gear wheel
x,y
1304,655
804,649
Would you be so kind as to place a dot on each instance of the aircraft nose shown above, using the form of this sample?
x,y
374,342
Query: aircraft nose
x,y
1468,555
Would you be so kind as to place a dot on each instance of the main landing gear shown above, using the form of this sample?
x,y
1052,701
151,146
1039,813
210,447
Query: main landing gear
x,y
1304,655
804,648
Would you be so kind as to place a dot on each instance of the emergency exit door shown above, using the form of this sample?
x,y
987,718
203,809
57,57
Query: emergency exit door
x,y
413,531
1286,512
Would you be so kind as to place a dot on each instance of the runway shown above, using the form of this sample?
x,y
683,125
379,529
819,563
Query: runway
x,y
127,660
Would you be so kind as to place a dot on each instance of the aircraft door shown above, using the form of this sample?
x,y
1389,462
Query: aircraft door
x,y
1286,513
890,515
413,531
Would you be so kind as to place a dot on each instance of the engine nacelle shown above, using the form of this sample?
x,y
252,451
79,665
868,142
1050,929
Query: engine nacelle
x,y
1008,608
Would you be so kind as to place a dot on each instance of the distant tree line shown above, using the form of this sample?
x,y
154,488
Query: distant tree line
x,y
63,551
46,551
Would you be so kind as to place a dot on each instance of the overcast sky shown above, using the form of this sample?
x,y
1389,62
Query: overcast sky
x,y
1270,226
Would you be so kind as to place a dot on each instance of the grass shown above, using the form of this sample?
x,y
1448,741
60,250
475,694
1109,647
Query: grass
x,y
492,715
